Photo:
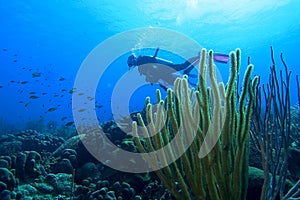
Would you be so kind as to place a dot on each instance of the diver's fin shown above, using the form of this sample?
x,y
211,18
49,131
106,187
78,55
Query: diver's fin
x,y
190,68
221,57
163,87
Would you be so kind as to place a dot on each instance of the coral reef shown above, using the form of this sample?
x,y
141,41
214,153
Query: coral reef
x,y
52,162
271,132
46,177
29,140
223,172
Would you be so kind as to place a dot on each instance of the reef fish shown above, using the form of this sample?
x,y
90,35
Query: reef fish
x,y
63,118
69,123
51,109
35,74
34,97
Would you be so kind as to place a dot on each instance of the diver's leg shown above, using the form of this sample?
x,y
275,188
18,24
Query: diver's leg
x,y
194,60
192,63
188,70
187,64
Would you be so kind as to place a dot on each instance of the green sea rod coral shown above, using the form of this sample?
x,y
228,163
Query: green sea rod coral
x,y
217,121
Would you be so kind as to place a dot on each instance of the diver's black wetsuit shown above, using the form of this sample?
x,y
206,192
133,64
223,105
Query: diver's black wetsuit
x,y
156,69
187,65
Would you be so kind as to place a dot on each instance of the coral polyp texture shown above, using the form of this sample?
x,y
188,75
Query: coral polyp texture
x,y
217,119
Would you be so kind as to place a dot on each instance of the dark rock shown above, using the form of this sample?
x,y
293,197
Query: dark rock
x,y
137,197
8,178
256,180
73,160
68,152
20,165
254,157
102,183
28,166
82,190
51,179
13,161
44,188
4,164
64,166
85,182
116,186
97,194
7,159
294,163
103,191
110,195
28,140
3,186
156,190
5,195
88,170
33,155
19,196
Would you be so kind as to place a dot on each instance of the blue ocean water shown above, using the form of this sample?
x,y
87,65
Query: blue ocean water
x,y
44,43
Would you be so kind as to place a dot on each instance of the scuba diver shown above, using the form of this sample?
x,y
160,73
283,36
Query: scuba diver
x,y
156,69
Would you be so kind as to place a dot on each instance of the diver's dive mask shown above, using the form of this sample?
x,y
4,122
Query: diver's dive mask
x,y
131,61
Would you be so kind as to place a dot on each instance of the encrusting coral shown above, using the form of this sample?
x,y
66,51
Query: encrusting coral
x,y
212,125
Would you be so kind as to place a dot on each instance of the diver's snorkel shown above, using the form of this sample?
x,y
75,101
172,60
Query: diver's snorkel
x,y
160,60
